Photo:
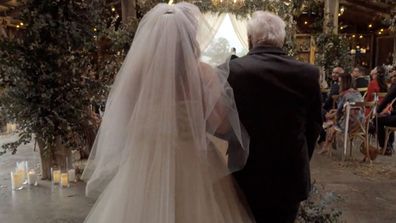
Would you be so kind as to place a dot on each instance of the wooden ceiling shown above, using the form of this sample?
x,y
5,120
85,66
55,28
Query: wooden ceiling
x,y
8,6
359,14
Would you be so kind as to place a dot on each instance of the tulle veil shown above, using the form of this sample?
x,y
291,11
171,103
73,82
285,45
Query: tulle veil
x,y
161,84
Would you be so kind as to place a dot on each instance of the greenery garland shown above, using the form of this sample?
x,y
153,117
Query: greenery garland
x,y
61,65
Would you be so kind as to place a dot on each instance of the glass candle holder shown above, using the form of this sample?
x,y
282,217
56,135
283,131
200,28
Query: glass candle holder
x,y
17,178
64,180
22,168
56,175
72,175
32,177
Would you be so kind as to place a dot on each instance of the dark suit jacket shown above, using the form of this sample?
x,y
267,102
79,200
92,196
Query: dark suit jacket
x,y
388,99
361,82
334,90
233,56
279,103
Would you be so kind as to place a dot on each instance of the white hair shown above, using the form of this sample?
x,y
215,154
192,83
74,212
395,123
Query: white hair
x,y
266,28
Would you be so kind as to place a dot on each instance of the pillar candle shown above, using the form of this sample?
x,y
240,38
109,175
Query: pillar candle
x,y
56,176
64,179
32,178
72,175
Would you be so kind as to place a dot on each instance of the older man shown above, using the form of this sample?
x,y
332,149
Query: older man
x,y
279,103
334,88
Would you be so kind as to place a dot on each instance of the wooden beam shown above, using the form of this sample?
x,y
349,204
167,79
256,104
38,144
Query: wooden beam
x,y
383,9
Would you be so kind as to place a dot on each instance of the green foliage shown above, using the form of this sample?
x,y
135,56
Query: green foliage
x,y
391,22
58,68
333,50
317,208
285,10
316,8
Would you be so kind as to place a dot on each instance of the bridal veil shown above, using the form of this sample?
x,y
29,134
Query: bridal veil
x,y
155,148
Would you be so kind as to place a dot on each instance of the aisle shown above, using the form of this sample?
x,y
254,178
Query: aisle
x,y
42,204
368,192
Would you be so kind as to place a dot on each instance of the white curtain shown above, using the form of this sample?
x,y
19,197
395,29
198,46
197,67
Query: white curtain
x,y
212,20
240,28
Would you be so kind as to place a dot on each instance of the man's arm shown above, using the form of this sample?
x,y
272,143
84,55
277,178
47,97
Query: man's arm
x,y
388,99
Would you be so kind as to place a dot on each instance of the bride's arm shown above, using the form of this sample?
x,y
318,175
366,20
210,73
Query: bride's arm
x,y
213,100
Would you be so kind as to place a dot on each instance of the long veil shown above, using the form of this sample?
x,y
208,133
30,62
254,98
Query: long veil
x,y
162,95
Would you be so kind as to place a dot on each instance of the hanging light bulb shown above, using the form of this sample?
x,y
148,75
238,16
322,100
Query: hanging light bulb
x,y
112,9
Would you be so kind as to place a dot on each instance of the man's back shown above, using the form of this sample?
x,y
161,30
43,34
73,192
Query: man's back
x,y
279,103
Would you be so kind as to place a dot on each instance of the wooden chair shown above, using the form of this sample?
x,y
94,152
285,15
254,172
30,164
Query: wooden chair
x,y
359,131
382,94
388,131
363,91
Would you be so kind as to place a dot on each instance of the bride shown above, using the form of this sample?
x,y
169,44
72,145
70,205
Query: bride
x,y
154,160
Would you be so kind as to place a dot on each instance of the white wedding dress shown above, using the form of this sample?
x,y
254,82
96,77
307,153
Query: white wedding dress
x,y
153,161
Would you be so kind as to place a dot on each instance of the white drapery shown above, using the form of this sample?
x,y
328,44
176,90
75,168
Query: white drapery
x,y
214,21
240,29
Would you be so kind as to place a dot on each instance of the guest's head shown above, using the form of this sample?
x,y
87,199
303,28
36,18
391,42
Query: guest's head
x,y
392,75
379,74
358,72
336,72
345,81
233,50
266,29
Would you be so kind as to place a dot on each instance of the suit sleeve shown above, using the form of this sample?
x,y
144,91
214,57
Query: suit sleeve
x,y
388,99
314,117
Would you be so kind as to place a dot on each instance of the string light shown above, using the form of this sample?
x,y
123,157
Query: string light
x,y
112,9
21,23
353,36
339,14
305,22
382,30
370,25
17,26
361,36
379,33
94,29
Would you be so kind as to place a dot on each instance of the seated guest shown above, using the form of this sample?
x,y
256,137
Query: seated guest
x,y
335,118
387,117
359,77
329,101
334,88
392,76
376,85
233,53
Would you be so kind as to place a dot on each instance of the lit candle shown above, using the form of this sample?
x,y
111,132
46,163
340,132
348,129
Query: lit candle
x,y
21,169
32,178
17,180
64,179
56,176
72,175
